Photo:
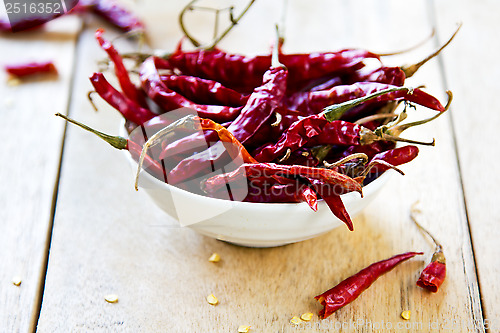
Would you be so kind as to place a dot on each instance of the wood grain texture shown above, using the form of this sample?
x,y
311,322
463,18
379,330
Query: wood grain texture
x,y
471,69
109,239
31,140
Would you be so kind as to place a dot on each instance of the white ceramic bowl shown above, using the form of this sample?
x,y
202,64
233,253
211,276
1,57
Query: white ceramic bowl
x,y
252,224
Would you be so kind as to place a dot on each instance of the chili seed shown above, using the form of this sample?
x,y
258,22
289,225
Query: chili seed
x,y
13,81
243,328
111,298
215,257
16,280
306,316
211,299
406,315
295,320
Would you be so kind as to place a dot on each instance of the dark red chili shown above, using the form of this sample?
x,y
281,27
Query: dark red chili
x,y
267,171
129,89
203,91
31,68
434,274
260,106
305,130
349,289
245,73
314,102
169,100
115,14
127,107
396,156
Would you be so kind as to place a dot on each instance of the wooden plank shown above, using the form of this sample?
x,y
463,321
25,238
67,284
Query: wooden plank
x,y
471,68
109,239
31,147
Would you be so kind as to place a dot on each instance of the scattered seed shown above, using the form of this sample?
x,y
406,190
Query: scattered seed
x,y
211,299
406,315
13,81
111,298
16,280
306,316
295,320
243,328
215,257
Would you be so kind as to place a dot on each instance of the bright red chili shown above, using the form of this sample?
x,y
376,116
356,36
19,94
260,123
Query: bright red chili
x,y
349,289
31,68
433,275
129,89
127,107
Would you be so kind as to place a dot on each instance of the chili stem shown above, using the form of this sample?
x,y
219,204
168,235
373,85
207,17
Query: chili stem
x,y
409,70
334,112
116,141
413,211
346,159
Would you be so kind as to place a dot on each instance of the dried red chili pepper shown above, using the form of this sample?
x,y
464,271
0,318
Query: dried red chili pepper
x,y
128,88
203,91
349,289
314,102
190,167
396,156
343,183
434,274
322,129
31,68
115,14
118,142
169,100
261,105
229,69
127,107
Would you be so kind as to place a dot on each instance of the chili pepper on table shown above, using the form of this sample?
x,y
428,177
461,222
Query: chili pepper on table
x,y
31,68
129,89
127,107
203,91
350,289
434,274
169,100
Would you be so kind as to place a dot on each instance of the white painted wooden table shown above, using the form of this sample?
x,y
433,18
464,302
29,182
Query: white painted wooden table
x,y
73,228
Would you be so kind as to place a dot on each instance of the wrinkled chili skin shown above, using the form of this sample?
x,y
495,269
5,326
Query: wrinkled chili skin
x,y
31,68
261,105
229,69
169,100
314,102
349,289
312,130
342,183
432,277
396,156
127,107
203,91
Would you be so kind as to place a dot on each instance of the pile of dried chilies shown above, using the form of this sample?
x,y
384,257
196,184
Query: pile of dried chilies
x,y
308,126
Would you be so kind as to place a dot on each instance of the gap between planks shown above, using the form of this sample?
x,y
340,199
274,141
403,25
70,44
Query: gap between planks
x,y
477,312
